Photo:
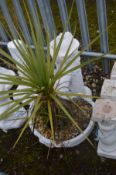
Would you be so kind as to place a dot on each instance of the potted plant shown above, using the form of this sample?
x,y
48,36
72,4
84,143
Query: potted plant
x,y
53,112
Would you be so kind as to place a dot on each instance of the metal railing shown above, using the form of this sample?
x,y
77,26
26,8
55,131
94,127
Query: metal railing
x,y
48,22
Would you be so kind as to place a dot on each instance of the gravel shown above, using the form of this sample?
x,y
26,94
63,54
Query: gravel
x,y
95,79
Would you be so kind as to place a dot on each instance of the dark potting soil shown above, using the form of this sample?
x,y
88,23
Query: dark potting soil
x,y
64,129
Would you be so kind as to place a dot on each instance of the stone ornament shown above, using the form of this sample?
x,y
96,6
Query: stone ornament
x,y
109,89
104,113
17,118
113,72
104,109
18,97
67,39
15,53
4,71
74,79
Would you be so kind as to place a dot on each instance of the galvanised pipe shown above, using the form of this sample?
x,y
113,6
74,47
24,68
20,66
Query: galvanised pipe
x,y
22,21
85,53
102,22
64,14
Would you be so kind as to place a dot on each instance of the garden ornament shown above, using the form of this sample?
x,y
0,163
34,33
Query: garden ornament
x,y
104,114
72,82
109,89
113,72
15,53
17,118
5,87
75,78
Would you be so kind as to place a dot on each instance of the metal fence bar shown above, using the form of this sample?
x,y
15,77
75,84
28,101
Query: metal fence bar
x,y
107,56
84,26
32,11
21,20
47,17
3,34
31,6
83,22
64,14
85,53
8,18
102,21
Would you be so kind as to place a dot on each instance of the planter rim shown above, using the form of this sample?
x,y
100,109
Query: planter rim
x,y
67,143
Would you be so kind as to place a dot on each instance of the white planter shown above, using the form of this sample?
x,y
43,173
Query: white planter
x,y
68,143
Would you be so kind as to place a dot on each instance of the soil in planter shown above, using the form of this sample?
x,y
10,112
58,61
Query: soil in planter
x,y
64,129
